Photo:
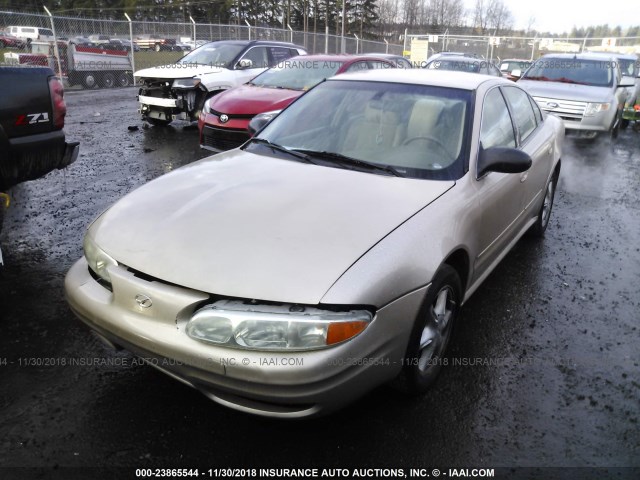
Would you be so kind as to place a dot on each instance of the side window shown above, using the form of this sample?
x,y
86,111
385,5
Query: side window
x,y
496,129
357,67
523,114
495,71
258,55
483,69
279,54
536,110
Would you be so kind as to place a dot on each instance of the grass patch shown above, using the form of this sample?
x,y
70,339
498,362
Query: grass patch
x,y
148,59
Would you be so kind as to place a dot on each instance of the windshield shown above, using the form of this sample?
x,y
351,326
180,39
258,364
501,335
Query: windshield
x,y
214,54
455,65
298,74
419,131
596,73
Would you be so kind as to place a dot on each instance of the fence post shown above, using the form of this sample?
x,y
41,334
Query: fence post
x,y
194,31
248,27
291,35
404,40
357,42
386,48
326,39
133,54
55,42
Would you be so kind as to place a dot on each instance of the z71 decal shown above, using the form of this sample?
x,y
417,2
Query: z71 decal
x,y
32,119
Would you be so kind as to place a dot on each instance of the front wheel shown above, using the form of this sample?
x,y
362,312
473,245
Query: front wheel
x,y
432,331
158,47
542,221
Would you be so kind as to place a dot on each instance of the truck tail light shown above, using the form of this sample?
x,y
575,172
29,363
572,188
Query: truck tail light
x,y
57,101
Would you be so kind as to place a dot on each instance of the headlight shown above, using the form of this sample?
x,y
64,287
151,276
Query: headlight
x,y
206,108
593,108
260,120
274,327
97,259
186,83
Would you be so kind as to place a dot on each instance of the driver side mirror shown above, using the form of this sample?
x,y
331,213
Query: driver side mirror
x,y
244,63
517,73
502,160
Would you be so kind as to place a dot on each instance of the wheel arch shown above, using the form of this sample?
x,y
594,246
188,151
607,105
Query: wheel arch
x,y
459,261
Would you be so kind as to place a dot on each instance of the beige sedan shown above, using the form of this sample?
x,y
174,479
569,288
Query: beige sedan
x,y
332,252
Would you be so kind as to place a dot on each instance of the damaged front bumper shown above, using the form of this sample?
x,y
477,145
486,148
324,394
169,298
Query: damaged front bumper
x,y
158,100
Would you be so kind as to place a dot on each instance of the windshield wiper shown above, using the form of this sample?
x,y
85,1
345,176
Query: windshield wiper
x,y
350,161
542,79
280,148
568,80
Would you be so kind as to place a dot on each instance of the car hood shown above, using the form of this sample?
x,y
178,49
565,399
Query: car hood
x,y
244,225
174,70
251,100
566,91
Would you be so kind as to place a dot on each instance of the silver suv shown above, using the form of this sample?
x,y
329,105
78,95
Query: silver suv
x,y
587,91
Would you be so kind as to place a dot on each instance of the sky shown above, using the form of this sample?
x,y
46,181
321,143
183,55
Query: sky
x,y
557,16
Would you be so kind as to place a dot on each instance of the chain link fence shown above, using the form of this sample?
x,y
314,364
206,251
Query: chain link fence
x,y
82,43
493,48
86,46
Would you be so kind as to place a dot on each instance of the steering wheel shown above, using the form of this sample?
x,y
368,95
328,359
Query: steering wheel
x,y
432,140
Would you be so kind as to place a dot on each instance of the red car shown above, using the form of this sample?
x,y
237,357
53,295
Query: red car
x,y
9,41
225,117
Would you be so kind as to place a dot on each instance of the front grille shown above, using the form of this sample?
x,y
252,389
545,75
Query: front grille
x,y
223,138
567,109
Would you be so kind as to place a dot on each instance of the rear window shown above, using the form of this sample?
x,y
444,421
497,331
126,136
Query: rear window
x,y
46,31
455,65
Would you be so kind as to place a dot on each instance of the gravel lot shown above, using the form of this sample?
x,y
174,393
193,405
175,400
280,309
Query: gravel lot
x,y
544,369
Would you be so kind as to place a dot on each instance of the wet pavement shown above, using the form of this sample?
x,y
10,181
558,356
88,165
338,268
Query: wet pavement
x,y
544,370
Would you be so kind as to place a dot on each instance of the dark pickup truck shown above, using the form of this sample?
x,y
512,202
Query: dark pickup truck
x,y
32,142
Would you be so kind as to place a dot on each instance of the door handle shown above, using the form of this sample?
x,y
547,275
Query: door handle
x,y
523,177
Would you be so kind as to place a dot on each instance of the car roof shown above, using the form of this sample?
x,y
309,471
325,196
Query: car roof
x,y
457,58
437,78
256,42
344,58
625,56
326,57
580,56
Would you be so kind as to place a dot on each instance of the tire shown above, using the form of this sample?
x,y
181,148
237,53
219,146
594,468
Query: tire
x,y
624,123
615,129
108,80
157,48
157,122
434,324
89,80
542,221
123,80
